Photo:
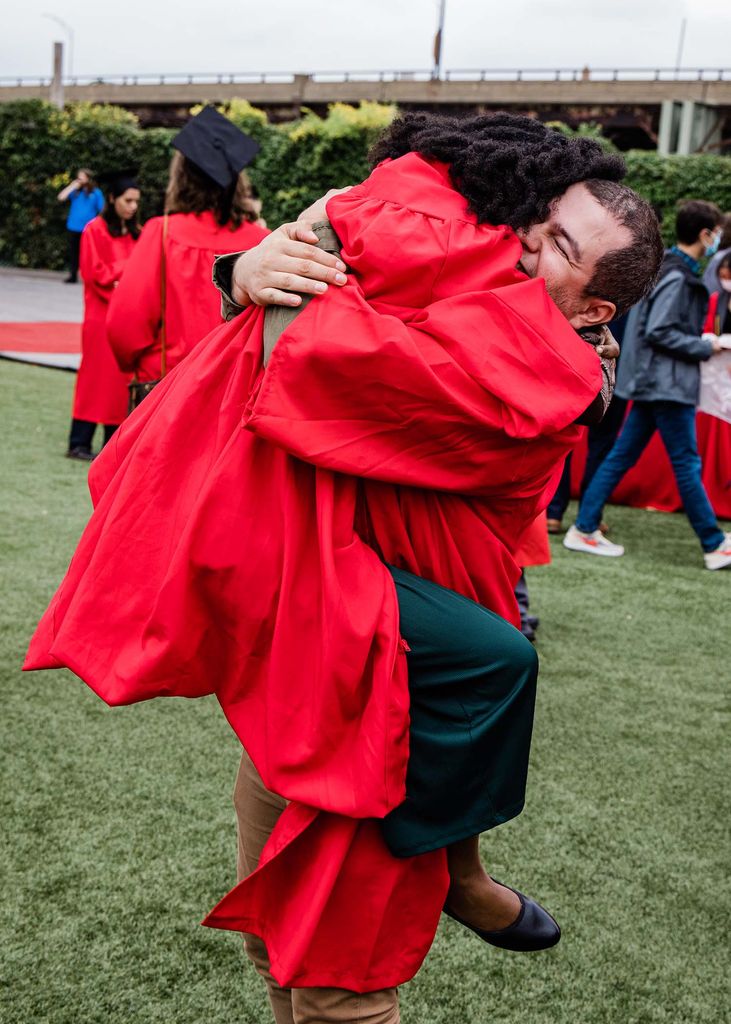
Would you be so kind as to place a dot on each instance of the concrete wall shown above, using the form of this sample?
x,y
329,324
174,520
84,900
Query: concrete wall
x,y
303,90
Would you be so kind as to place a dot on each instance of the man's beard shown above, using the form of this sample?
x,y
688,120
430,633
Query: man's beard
x,y
564,298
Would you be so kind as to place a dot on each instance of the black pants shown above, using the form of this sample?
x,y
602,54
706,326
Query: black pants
x,y
472,683
600,443
74,240
82,434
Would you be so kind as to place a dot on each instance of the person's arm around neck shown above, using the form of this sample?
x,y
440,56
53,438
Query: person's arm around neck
x,y
282,268
284,264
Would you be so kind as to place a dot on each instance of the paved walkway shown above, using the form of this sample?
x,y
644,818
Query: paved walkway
x,y
40,297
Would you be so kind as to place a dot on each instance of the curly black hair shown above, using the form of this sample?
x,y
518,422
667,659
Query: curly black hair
x,y
510,169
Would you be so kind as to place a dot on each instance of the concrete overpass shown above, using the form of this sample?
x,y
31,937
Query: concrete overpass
x,y
679,110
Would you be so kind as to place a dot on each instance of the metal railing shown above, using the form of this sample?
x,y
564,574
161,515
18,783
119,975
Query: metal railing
x,y
647,74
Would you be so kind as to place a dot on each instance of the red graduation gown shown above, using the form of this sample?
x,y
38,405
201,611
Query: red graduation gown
x,y
192,304
101,394
423,412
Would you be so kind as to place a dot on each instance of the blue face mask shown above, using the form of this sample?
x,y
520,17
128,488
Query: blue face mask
x,y
712,249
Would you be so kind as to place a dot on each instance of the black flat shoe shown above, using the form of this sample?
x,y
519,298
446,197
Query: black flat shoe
x,y
533,928
82,454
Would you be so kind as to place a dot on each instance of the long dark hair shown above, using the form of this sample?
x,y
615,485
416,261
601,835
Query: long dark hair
x,y
117,226
510,169
191,191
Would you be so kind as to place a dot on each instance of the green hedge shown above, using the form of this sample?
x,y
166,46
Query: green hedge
x,y
666,181
41,148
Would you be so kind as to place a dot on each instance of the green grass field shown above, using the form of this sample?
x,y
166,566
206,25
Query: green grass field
x,y
118,832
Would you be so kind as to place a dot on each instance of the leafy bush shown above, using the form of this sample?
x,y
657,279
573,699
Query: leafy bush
x,y
667,181
41,148
585,130
303,159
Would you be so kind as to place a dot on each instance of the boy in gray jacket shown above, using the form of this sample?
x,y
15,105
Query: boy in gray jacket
x,y
660,373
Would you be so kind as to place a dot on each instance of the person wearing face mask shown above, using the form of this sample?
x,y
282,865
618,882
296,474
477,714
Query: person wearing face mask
x,y
718,321
664,346
340,570
107,242
710,274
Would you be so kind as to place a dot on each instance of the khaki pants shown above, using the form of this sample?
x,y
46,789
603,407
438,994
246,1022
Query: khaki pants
x,y
257,811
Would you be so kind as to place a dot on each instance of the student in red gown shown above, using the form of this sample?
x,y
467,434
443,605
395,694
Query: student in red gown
x,y
718,318
417,416
167,302
107,242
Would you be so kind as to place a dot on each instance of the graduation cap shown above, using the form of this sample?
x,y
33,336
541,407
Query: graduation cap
x,y
216,146
119,180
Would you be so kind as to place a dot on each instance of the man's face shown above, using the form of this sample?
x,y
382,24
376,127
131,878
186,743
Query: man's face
x,y
564,251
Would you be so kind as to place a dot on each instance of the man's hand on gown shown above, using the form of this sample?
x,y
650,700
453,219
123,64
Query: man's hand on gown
x,y
288,262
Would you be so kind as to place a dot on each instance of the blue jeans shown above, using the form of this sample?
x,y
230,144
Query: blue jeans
x,y
676,423
599,444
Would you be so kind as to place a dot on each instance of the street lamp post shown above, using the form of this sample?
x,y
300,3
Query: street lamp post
x,y
438,40
681,44
70,33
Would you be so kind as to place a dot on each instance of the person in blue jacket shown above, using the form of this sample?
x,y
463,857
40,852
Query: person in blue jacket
x,y
86,202
659,372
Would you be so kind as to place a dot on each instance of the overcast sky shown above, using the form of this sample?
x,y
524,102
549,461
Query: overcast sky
x,y
288,35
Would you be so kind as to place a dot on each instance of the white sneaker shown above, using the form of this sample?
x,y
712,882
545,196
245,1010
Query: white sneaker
x,y
721,557
594,543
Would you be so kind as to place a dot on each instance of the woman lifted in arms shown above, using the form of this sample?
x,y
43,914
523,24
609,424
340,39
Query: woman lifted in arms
x,y
339,572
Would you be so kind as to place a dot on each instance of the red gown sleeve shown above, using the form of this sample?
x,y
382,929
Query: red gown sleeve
x,y
449,401
133,321
97,267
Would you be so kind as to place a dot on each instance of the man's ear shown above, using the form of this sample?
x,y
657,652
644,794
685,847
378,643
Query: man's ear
x,y
594,311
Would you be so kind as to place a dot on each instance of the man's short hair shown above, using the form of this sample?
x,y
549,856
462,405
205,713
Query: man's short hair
x,y
624,276
695,216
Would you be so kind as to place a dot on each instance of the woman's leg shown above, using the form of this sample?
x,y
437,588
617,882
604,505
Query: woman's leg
x,y
473,895
472,679
562,497
74,246
109,431
81,435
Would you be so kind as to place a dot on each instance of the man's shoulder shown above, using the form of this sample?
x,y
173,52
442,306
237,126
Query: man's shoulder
x,y
672,283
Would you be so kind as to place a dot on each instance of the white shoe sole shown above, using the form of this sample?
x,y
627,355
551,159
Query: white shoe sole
x,y
724,562
587,549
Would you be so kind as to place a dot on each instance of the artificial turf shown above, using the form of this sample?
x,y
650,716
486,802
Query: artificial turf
x,y
118,832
